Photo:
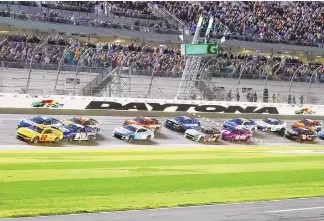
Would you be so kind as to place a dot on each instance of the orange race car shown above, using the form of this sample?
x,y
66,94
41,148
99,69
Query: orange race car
x,y
147,122
307,124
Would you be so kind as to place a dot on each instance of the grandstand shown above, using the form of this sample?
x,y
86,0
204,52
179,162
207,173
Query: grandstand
x,y
69,64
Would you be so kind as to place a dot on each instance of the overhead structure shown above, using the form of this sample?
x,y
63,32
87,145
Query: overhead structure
x,y
189,88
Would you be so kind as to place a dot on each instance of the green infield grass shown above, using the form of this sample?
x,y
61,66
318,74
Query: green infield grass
x,y
60,182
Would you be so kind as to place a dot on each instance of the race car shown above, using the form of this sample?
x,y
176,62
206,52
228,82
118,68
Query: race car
x,y
73,132
300,134
147,122
133,132
79,121
305,111
320,135
182,123
307,124
203,134
236,134
240,123
39,120
36,134
270,124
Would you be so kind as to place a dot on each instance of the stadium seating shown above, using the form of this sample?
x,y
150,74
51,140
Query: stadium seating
x,y
299,23
17,51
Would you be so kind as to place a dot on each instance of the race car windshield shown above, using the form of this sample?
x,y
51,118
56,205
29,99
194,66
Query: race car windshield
x,y
185,120
37,120
131,128
71,127
205,131
36,129
305,122
139,120
237,121
76,120
268,121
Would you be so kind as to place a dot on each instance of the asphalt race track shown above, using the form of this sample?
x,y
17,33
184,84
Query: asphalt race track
x,y
163,139
311,209
298,209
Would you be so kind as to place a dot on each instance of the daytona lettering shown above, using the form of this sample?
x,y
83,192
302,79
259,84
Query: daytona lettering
x,y
107,105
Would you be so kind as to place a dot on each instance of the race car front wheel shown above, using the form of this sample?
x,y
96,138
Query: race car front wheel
x,y
57,140
201,140
130,138
91,138
35,140
149,137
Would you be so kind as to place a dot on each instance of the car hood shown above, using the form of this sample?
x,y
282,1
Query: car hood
x,y
194,132
227,133
26,131
263,124
173,120
27,122
123,131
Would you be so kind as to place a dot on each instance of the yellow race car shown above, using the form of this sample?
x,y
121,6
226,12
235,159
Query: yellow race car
x,y
36,134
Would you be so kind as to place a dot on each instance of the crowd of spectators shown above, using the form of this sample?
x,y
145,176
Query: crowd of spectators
x,y
161,27
167,61
17,51
298,22
291,21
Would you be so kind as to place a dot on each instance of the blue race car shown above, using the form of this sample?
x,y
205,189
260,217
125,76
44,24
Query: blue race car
x,y
240,123
133,132
39,120
320,134
73,132
182,123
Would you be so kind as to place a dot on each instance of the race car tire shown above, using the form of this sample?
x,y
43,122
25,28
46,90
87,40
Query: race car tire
x,y
149,137
299,139
35,140
269,129
130,138
201,139
56,140
71,138
247,139
90,137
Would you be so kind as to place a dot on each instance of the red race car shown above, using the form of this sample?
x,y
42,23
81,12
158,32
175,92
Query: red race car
x,y
147,122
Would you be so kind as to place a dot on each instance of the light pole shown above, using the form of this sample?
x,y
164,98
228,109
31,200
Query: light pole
x,y
77,68
60,63
292,79
241,72
30,63
266,80
310,81
152,76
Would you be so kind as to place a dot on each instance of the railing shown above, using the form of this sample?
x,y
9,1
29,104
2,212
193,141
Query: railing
x,y
90,23
75,10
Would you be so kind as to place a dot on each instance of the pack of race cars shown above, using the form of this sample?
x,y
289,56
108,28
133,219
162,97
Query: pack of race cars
x,y
47,129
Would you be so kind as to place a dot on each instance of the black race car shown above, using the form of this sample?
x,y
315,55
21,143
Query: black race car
x,y
300,134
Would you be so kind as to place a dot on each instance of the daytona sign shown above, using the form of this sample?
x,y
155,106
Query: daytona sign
x,y
140,106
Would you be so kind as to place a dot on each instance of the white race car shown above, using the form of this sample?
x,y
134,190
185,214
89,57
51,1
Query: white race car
x,y
133,132
270,124
203,134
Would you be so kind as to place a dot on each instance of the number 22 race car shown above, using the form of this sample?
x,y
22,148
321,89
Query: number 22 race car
x,y
36,134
